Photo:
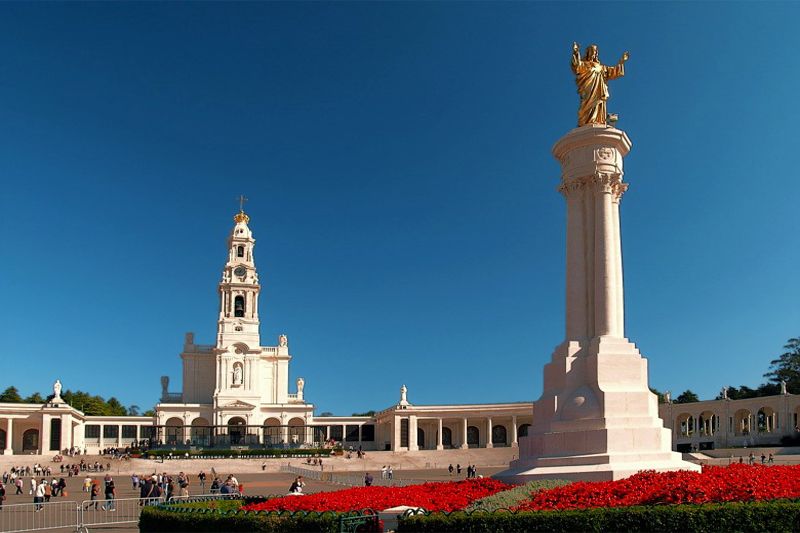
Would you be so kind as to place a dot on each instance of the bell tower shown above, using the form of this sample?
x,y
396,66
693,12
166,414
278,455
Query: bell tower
x,y
238,289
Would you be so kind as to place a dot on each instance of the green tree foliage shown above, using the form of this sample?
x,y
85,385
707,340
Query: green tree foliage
x,y
686,396
10,395
133,410
35,398
326,413
149,412
787,366
368,413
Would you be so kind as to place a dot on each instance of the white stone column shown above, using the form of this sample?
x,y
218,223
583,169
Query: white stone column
x,y
514,438
396,434
439,443
464,444
577,304
605,298
44,435
489,443
617,241
412,433
9,449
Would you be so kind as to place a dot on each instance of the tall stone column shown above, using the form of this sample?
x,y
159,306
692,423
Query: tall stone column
x,y
412,433
439,443
514,438
489,443
596,418
9,449
464,444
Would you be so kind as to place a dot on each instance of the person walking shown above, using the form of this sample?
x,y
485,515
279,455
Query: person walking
x,y
368,480
38,495
18,485
450,469
202,478
2,495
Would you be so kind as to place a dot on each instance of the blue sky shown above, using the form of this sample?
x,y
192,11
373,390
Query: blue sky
x,y
402,191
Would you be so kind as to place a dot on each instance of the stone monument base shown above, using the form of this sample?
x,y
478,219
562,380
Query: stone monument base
x,y
596,419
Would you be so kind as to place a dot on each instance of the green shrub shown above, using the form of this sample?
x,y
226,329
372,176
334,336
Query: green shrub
x,y
513,497
774,516
224,515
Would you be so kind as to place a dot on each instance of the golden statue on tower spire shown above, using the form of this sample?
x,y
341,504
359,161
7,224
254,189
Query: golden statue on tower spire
x,y
591,77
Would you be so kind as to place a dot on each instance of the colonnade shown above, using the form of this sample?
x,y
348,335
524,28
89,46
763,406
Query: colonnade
x,y
459,429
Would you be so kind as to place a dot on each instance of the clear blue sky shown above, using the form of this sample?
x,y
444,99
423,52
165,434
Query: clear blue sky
x,y
402,191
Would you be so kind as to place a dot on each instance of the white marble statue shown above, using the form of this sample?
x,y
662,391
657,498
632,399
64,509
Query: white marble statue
x,y
403,394
283,341
301,383
237,375
667,397
725,393
783,387
57,390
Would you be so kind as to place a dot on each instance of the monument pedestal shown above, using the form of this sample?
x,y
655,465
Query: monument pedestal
x,y
596,418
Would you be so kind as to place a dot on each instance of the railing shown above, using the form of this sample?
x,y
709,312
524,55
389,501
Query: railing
x,y
172,397
39,516
80,516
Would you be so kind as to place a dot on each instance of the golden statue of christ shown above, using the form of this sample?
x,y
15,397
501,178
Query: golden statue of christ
x,y
591,77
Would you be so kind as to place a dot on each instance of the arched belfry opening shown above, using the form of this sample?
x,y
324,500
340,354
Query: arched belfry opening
x,y
238,306
240,251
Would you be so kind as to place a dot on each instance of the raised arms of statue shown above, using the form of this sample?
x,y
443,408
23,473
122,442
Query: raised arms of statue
x,y
591,77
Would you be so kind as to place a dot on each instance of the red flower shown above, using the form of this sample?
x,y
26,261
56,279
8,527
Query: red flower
x,y
714,484
439,496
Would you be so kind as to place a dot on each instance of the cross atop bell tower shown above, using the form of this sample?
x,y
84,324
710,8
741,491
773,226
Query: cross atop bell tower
x,y
239,287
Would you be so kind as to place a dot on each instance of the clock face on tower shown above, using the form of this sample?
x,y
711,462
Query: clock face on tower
x,y
240,271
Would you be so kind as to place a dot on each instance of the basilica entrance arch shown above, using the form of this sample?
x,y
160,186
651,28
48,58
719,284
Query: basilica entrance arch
x,y
173,432
200,432
473,437
236,430
30,440
297,431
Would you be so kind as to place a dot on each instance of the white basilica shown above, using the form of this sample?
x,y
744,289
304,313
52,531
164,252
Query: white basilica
x,y
235,392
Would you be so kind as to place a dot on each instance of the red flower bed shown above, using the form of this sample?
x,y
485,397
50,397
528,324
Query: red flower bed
x,y
714,484
443,496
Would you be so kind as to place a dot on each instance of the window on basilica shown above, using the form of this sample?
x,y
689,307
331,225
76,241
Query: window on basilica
x,y
238,306
240,251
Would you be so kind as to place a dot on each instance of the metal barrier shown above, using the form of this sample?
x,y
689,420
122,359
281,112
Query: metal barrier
x,y
80,516
95,513
39,516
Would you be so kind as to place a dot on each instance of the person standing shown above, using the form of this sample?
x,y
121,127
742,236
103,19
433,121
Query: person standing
x,y
111,494
2,495
368,480
458,468
202,478
450,469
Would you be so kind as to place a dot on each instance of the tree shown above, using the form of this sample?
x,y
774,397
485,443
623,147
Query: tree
x,y
368,413
149,412
787,366
10,395
687,396
35,398
115,408
133,410
327,413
